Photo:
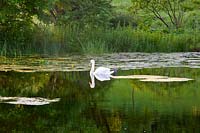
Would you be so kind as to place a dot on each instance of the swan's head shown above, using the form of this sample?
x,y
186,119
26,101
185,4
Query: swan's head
x,y
92,61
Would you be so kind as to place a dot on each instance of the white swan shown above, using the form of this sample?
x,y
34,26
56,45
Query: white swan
x,y
101,73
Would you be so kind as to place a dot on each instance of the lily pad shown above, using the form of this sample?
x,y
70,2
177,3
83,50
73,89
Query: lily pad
x,y
28,100
123,61
166,79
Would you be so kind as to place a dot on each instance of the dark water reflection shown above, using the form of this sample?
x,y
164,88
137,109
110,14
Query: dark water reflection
x,y
117,105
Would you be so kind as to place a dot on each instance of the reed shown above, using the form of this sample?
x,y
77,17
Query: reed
x,y
60,40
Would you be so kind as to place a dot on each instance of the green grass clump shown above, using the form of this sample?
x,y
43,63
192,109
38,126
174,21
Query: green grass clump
x,y
126,39
60,40
94,47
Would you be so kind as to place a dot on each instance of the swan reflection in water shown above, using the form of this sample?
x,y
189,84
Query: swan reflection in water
x,y
105,74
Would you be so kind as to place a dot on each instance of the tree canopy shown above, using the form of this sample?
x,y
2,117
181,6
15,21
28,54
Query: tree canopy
x,y
169,12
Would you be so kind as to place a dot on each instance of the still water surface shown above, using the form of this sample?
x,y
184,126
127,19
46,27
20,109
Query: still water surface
x,y
123,105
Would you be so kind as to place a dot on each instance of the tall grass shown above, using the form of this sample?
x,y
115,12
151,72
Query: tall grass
x,y
94,47
56,40
126,39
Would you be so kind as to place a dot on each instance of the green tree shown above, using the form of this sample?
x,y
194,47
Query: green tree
x,y
160,8
16,20
83,12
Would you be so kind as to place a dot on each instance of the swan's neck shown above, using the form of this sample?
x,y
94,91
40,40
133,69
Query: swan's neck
x,y
92,67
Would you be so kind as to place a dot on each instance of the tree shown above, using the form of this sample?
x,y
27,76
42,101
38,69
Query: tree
x,y
84,12
172,8
16,19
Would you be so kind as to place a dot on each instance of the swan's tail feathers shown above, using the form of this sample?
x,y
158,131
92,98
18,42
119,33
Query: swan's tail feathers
x,y
111,72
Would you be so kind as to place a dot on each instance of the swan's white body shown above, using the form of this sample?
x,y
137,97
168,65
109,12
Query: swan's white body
x,y
101,73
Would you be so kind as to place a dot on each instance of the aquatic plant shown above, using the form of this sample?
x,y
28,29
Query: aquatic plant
x,y
60,40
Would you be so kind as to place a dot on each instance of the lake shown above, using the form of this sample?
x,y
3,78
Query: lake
x,y
52,94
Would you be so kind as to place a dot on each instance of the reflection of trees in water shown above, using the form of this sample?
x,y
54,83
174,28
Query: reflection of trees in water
x,y
146,118
177,103
154,122
173,89
79,108
107,121
26,84
66,115
62,84
43,84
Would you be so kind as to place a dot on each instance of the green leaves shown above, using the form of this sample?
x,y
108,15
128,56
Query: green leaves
x,y
82,12
169,12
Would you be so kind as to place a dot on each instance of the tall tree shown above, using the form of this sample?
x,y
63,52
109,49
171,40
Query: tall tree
x,y
172,8
16,18
95,12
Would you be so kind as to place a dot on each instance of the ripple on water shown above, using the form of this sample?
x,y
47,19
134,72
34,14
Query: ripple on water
x,y
124,61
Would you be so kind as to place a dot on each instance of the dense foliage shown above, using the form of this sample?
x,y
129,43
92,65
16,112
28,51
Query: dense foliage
x,y
16,20
63,26
82,12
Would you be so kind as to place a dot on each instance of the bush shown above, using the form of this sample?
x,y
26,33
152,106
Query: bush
x,y
123,20
60,40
